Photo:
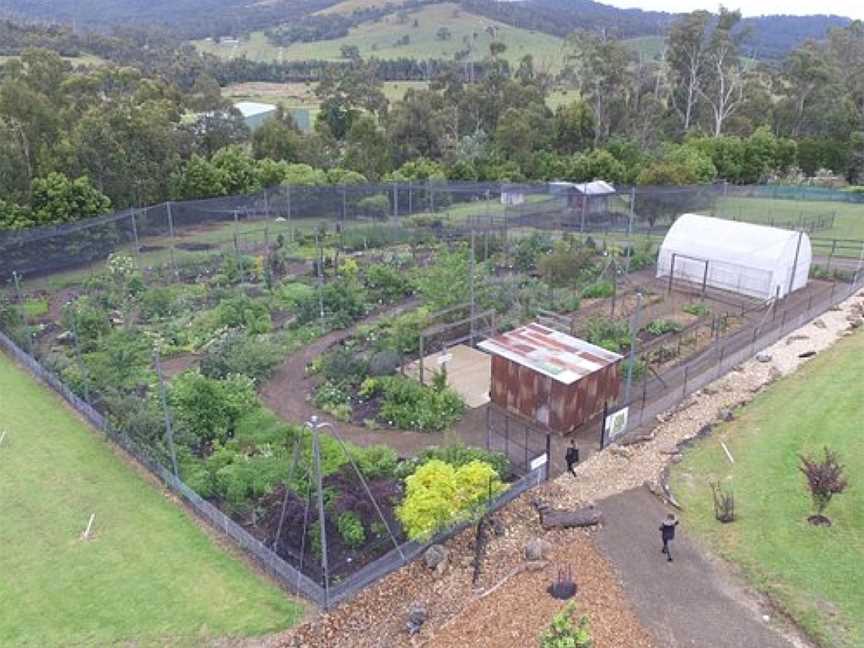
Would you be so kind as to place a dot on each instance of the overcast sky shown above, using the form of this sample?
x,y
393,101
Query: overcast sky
x,y
851,8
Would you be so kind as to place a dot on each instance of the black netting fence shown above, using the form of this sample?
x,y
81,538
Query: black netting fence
x,y
194,255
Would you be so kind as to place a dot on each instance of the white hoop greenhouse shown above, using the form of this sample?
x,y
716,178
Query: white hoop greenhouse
x,y
749,259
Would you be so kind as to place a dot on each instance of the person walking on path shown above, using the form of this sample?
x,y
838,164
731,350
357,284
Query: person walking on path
x,y
572,457
667,533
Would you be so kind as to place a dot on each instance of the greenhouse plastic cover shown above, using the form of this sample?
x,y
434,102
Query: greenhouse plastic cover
x,y
749,259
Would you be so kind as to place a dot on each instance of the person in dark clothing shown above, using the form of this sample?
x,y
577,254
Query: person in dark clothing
x,y
667,533
572,456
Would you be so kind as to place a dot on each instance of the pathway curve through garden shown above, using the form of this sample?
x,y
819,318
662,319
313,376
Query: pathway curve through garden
x,y
288,393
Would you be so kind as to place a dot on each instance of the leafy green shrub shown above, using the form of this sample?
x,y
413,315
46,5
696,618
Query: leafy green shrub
x,y
609,334
334,399
343,300
242,312
376,461
122,362
159,303
640,258
209,409
697,308
238,353
377,206
294,293
447,281
661,327
599,290
438,495
91,320
528,250
457,455
400,333
343,365
384,363
387,284
408,405
565,266
562,633
351,529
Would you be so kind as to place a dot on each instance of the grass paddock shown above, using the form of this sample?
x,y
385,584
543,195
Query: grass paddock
x,y
816,574
149,576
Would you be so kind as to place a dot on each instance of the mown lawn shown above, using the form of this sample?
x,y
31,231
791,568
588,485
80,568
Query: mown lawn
x,y
149,576
817,574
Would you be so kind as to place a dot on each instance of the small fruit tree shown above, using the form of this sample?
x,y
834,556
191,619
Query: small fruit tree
x,y
824,479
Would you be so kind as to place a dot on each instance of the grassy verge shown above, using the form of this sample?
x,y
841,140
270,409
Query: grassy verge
x,y
816,574
148,576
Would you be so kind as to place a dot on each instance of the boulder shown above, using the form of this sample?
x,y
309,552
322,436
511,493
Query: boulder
x,y
820,324
763,357
436,556
537,549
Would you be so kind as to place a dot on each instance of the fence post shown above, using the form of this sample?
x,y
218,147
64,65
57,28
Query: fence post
x,y
17,279
171,233
396,200
344,203
831,255
410,199
603,424
81,368
137,242
169,432
548,455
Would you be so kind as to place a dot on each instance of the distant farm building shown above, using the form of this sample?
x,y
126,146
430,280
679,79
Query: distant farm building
x,y
753,260
552,378
593,196
255,114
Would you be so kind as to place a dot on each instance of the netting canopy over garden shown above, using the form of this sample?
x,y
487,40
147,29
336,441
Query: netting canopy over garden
x,y
749,259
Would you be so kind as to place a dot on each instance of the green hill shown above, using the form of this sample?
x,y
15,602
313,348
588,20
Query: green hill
x,y
395,37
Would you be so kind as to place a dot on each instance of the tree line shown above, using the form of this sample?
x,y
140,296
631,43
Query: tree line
x,y
77,141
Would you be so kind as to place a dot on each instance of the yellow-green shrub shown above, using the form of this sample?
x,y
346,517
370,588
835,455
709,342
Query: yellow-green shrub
x,y
438,495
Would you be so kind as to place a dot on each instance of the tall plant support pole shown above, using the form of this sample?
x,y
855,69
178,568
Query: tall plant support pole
x,y
314,426
395,200
634,330
630,217
431,196
473,307
671,273
16,278
237,245
288,210
137,241
344,203
795,262
171,233
584,209
81,368
320,273
410,199
163,397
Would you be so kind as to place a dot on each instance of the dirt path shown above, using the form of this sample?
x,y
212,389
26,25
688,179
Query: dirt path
x,y
688,602
289,391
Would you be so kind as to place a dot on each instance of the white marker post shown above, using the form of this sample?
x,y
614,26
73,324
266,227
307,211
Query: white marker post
x,y
86,534
2,436
728,454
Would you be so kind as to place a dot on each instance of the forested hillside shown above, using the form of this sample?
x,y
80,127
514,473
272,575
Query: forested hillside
x,y
306,21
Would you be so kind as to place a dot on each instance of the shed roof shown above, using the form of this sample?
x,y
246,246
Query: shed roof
x,y
560,356
593,188
252,108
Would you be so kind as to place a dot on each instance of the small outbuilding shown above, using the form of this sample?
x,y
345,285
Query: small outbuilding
x,y
592,197
753,260
550,377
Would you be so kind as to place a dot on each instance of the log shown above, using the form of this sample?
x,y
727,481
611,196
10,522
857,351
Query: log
x,y
583,517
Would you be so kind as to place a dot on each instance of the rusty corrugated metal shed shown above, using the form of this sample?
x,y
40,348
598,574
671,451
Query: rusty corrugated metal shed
x,y
550,377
